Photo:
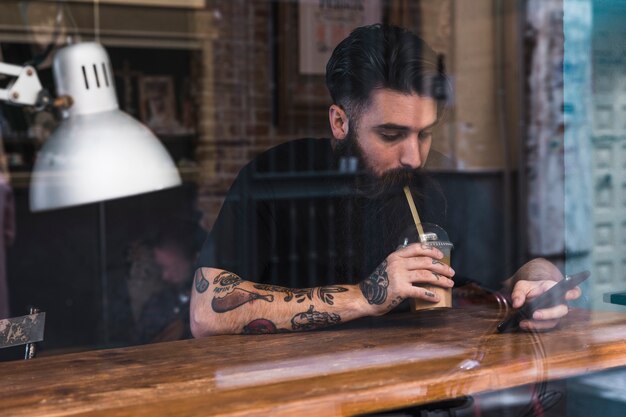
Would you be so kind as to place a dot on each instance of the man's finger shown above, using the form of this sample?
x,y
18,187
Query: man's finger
x,y
429,264
540,288
431,278
524,290
551,313
518,296
423,294
538,324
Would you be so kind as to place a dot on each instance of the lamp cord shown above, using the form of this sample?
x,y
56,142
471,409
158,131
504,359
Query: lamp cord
x,y
96,20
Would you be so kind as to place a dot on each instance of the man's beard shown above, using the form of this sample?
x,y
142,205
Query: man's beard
x,y
391,182
376,215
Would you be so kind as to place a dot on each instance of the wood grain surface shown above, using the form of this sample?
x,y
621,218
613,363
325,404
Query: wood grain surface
x,y
364,366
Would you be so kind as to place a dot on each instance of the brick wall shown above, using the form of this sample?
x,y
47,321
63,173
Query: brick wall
x,y
235,114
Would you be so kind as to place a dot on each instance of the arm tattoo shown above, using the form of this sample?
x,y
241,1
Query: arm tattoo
x,y
301,295
236,298
201,282
374,287
326,293
227,282
394,303
262,326
311,319
259,326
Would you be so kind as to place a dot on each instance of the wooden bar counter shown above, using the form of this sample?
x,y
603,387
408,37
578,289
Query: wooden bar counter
x,y
364,366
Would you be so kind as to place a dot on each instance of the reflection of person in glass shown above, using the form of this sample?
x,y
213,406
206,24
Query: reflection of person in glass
x,y
287,259
165,314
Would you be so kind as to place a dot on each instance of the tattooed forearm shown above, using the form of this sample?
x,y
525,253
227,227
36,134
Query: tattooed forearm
x,y
326,293
201,282
307,320
301,295
236,298
226,282
312,319
374,287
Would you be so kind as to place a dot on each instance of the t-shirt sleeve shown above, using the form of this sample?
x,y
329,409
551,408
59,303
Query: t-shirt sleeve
x,y
239,239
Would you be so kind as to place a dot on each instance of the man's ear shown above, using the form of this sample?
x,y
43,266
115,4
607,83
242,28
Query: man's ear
x,y
338,122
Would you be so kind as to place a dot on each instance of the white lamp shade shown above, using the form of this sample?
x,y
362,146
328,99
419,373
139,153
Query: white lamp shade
x,y
97,157
98,152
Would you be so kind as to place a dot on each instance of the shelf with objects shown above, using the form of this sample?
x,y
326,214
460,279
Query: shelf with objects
x,y
59,255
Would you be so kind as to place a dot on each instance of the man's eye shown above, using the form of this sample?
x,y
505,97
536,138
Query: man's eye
x,y
391,137
425,134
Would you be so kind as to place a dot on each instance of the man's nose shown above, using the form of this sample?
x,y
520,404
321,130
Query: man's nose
x,y
410,154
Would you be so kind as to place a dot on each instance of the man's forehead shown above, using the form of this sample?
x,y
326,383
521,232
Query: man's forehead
x,y
389,107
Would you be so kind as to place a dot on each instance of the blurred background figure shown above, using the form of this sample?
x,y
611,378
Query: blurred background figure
x,y
164,314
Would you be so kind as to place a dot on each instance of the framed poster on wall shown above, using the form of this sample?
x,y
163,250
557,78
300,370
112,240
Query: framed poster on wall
x,y
324,23
307,32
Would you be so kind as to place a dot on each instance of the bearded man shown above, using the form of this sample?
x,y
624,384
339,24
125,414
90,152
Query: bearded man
x,y
311,232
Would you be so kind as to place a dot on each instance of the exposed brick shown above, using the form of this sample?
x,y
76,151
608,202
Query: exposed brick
x,y
257,130
235,99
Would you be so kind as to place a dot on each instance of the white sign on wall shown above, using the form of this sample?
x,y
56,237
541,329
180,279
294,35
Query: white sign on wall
x,y
325,23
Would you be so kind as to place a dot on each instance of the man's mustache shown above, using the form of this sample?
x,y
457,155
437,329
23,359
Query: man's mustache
x,y
399,177
371,185
392,182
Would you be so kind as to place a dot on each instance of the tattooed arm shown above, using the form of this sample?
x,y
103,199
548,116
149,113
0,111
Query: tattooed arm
x,y
223,303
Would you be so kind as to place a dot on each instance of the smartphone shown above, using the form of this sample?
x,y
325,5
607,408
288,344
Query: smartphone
x,y
552,297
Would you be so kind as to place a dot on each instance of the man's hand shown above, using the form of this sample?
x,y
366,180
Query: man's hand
x,y
533,279
393,279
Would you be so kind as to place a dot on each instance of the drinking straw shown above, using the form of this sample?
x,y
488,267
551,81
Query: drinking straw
x,y
416,217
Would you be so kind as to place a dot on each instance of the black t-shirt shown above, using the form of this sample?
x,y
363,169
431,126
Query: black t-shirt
x,y
292,218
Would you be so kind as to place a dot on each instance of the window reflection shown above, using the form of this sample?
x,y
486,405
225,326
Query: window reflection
x,y
528,157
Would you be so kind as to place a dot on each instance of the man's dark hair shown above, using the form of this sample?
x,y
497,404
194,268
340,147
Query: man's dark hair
x,y
380,56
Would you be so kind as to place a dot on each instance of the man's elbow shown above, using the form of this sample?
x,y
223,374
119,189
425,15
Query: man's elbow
x,y
202,326
198,328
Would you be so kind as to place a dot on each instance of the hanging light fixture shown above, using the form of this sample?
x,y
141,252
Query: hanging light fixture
x,y
98,152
